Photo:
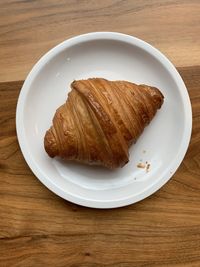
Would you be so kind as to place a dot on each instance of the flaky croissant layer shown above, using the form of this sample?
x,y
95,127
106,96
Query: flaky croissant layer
x,y
100,120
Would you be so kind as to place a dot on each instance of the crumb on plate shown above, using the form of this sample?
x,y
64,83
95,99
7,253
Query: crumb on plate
x,y
148,167
141,165
145,166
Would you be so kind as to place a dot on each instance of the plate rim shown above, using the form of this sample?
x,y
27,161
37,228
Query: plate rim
x,y
175,162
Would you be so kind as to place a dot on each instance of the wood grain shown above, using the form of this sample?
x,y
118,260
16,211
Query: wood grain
x,y
37,228
28,29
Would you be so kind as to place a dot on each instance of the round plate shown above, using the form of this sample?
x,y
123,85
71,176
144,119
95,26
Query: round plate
x,y
113,56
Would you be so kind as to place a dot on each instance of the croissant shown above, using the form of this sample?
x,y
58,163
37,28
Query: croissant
x,y
100,120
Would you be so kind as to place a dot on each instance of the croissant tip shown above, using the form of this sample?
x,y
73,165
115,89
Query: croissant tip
x,y
159,98
50,144
157,95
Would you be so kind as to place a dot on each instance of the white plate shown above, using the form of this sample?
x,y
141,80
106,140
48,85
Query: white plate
x,y
113,56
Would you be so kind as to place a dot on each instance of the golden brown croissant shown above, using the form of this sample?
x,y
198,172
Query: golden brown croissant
x,y
100,120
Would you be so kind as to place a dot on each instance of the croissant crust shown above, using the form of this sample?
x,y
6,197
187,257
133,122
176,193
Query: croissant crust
x,y
100,120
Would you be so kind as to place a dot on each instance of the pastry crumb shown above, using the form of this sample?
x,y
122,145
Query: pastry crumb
x,y
141,165
148,167
144,151
145,166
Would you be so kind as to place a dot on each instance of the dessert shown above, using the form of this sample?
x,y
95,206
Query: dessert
x,y
100,120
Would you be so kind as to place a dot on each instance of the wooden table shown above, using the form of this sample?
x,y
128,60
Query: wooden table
x,y
37,228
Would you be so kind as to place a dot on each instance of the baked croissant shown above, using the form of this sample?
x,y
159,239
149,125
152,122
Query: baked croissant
x,y
100,120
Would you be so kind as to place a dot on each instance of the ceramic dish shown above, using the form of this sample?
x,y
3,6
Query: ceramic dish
x,y
114,56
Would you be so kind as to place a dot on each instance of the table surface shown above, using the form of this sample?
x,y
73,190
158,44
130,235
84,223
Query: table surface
x,y
37,228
